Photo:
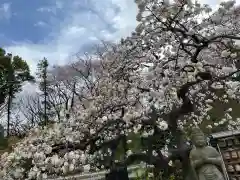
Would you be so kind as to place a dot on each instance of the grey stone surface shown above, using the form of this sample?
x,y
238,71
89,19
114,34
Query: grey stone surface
x,y
205,160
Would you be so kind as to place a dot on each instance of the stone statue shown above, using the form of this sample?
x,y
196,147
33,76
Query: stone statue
x,y
205,160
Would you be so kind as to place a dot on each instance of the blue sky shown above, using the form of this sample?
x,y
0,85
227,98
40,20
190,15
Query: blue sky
x,y
58,29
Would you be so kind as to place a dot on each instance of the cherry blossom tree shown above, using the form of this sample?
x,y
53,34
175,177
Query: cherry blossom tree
x,y
156,84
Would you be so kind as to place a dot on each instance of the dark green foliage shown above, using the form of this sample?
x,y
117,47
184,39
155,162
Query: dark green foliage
x,y
120,173
42,74
13,72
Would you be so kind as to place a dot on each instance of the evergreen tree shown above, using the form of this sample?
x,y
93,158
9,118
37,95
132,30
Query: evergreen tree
x,y
14,71
42,73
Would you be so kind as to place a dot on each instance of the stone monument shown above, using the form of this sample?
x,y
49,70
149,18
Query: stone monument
x,y
205,160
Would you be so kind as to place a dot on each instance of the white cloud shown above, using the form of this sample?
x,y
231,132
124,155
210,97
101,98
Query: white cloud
x,y
5,11
40,24
51,9
126,19
83,23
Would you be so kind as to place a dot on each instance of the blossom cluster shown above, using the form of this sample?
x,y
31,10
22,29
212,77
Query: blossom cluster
x,y
176,43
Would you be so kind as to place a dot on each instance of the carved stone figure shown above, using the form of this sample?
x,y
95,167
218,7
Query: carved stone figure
x,y
205,160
